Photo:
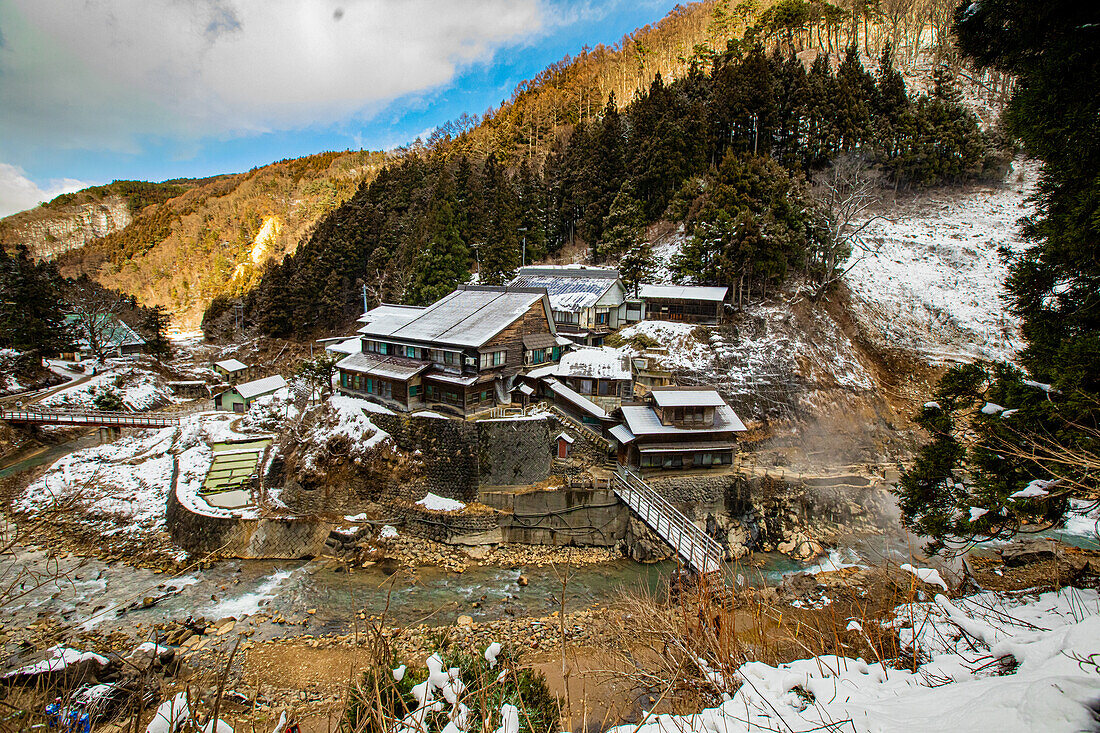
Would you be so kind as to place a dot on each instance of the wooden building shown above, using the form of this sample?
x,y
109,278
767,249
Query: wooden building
x,y
587,303
232,371
460,355
241,397
677,428
690,304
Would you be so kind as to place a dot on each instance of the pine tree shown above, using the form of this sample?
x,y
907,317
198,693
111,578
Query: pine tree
x,y
500,255
1022,464
155,326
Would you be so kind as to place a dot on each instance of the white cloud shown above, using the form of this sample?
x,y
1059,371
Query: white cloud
x,y
17,192
102,74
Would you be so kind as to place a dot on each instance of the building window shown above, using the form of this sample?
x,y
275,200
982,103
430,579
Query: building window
x,y
601,318
414,390
566,317
410,351
492,359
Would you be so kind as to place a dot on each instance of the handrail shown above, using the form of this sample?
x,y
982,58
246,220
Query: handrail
x,y
701,552
87,417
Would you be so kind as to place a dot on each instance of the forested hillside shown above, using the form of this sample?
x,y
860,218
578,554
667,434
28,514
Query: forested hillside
x,y
726,149
214,238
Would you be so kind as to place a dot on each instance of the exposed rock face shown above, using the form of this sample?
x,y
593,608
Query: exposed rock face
x,y
49,232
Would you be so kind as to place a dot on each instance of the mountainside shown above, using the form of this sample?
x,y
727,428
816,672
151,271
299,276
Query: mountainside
x,y
215,237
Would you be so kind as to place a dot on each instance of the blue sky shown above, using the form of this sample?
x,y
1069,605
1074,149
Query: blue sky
x,y
157,89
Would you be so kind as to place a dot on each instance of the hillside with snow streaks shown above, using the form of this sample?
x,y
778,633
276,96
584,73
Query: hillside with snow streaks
x,y
936,284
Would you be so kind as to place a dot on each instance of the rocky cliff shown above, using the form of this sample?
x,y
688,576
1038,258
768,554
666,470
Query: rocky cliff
x,y
48,232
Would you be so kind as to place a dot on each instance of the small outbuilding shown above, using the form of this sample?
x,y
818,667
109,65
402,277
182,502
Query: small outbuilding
x,y
231,370
686,303
241,397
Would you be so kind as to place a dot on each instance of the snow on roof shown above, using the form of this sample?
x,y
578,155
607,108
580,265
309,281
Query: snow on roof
x,y
258,387
391,312
543,371
601,362
346,346
643,420
566,438
469,316
381,366
622,434
527,389
231,365
571,289
683,292
578,400
687,398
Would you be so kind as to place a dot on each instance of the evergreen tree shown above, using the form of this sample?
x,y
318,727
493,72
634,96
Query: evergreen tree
x,y
624,225
500,255
155,328
32,314
444,260
1020,465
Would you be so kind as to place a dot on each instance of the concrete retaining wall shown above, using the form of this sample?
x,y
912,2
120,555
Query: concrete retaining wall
x,y
562,516
244,538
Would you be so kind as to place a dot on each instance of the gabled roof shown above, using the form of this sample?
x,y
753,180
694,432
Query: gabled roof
x,y
683,292
116,332
642,420
394,312
571,288
577,400
687,397
469,316
595,362
231,365
258,387
382,366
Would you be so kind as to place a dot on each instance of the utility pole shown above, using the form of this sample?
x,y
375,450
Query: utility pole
x,y
523,261
365,309
754,134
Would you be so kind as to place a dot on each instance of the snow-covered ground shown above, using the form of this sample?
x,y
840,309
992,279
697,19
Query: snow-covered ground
x,y
989,662
936,284
140,389
121,488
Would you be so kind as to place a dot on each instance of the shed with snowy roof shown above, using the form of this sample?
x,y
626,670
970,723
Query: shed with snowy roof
x,y
687,303
587,302
231,370
241,397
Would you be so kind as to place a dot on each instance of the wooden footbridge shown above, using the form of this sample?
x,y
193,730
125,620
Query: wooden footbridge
x,y
88,418
696,548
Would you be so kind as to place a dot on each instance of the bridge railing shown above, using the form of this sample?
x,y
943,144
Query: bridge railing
x,y
87,417
701,550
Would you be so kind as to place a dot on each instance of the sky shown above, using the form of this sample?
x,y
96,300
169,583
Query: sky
x,y
97,90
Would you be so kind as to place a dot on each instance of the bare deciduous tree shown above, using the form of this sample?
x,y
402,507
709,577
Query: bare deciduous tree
x,y
846,193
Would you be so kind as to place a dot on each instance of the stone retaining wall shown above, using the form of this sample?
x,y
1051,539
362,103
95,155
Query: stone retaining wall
x,y
286,538
515,452
447,449
458,528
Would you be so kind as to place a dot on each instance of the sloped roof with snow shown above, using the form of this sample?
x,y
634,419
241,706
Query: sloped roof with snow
x,y
577,400
598,362
642,420
469,316
258,387
683,292
687,398
571,288
231,365
375,365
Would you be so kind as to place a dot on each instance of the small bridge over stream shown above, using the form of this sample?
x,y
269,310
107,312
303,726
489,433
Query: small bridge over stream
x,y
88,418
696,548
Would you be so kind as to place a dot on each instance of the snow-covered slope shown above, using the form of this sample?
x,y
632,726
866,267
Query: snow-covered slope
x,y
997,663
936,284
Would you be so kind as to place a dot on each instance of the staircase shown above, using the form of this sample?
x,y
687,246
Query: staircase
x,y
696,548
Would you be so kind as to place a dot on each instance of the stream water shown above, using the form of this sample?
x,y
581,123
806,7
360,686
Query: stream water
x,y
89,593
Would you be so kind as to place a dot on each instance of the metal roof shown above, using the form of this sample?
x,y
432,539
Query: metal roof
x,y
687,398
577,399
452,379
231,365
683,292
642,420
595,362
390,310
569,271
258,387
539,341
469,316
382,366
622,434
568,292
